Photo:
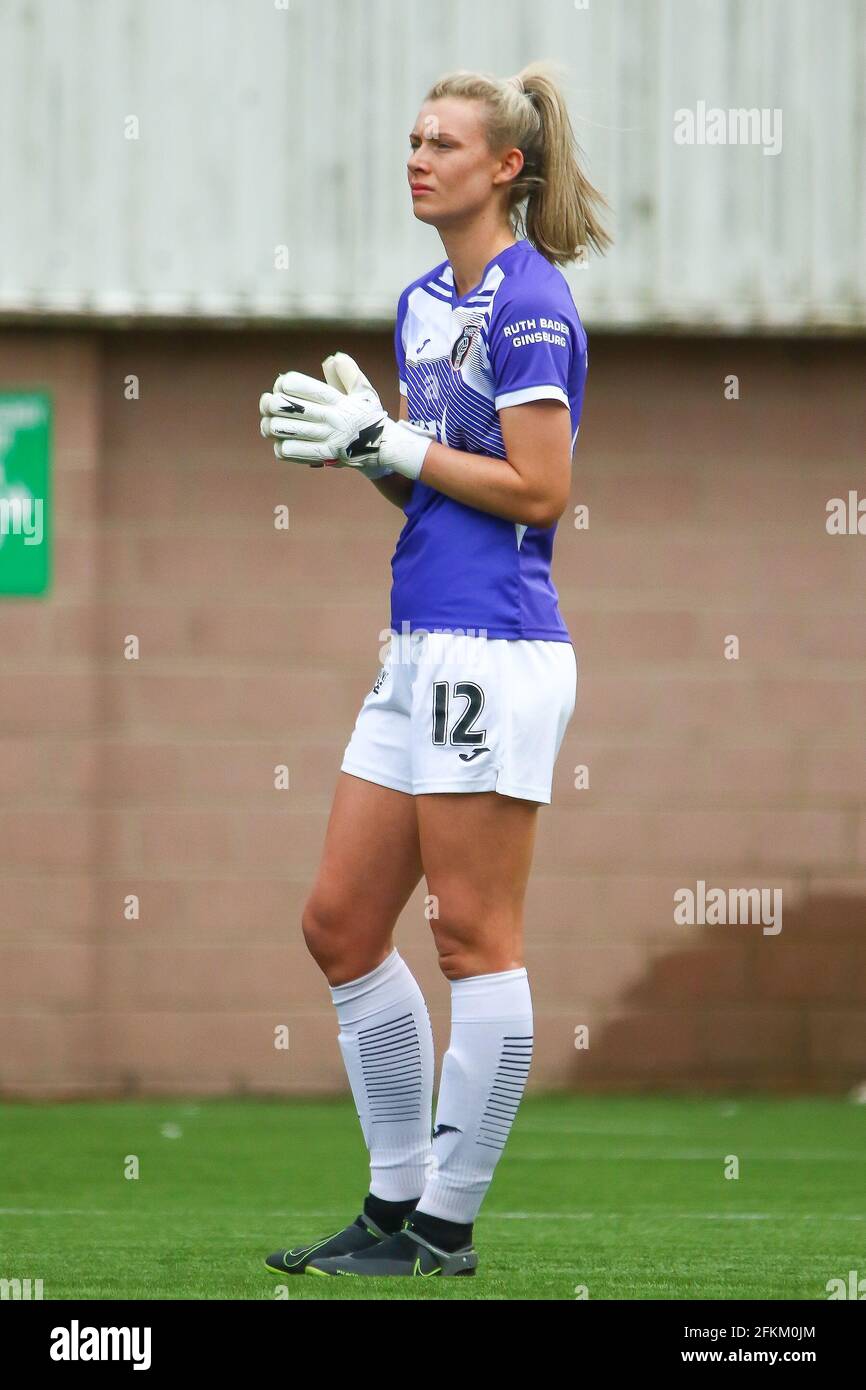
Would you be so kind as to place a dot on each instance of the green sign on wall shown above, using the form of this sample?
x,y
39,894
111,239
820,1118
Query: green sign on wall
x,y
25,493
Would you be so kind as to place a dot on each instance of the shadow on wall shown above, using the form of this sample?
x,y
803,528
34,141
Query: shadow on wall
x,y
744,1011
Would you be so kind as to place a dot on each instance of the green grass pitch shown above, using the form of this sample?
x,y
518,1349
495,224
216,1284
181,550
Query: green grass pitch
x,y
625,1197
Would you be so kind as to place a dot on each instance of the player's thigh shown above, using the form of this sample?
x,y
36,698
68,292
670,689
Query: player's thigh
x,y
476,852
370,865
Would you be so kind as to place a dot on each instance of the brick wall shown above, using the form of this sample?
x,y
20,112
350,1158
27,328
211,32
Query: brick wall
x,y
155,777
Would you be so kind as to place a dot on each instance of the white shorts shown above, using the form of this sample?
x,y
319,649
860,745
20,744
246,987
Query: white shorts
x,y
454,713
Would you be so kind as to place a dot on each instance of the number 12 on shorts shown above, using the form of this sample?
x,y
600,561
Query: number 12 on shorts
x,y
462,732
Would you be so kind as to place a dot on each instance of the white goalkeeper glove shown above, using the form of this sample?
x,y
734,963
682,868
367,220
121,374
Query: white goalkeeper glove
x,y
343,373
317,422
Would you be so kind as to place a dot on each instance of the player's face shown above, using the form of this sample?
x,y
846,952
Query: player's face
x,y
452,173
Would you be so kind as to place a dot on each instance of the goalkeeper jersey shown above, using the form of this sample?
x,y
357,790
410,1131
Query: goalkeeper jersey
x,y
515,337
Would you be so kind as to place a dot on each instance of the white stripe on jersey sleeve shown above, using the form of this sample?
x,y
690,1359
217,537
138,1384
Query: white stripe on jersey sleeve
x,y
531,393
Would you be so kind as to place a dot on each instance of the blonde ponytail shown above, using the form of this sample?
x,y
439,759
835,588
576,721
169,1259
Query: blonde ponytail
x,y
562,213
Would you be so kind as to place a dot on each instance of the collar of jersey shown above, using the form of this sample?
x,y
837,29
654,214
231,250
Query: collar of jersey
x,y
455,300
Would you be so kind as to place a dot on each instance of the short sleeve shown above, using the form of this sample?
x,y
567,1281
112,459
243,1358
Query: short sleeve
x,y
399,345
531,348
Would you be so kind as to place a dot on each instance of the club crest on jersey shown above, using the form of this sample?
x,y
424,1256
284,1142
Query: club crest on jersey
x,y
460,350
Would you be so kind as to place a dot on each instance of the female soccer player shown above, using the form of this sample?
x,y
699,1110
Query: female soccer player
x,y
454,747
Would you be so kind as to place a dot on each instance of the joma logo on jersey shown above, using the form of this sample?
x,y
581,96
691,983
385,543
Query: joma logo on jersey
x,y
460,350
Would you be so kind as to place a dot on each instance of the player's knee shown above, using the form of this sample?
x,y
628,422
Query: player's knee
x,y
456,965
457,948
473,943
323,926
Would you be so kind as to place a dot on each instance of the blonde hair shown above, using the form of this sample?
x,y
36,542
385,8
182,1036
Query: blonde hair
x,y
563,210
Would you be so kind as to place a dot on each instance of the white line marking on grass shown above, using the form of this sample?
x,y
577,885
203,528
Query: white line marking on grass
x,y
624,1215
281,1215
42,1211
668,1216
528,1125
681,1156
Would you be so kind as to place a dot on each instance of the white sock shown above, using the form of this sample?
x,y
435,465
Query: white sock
x,y
483,1076
387,1044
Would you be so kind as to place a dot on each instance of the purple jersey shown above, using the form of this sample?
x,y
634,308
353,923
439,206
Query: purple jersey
x,y
515,337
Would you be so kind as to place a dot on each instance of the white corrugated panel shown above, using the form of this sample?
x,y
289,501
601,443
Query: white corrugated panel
x,y
268,124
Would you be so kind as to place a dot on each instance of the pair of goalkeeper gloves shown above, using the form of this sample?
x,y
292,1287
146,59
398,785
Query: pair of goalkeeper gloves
x,y
340,421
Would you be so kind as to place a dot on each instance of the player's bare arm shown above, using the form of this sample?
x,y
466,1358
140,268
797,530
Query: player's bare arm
x,y
529,486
